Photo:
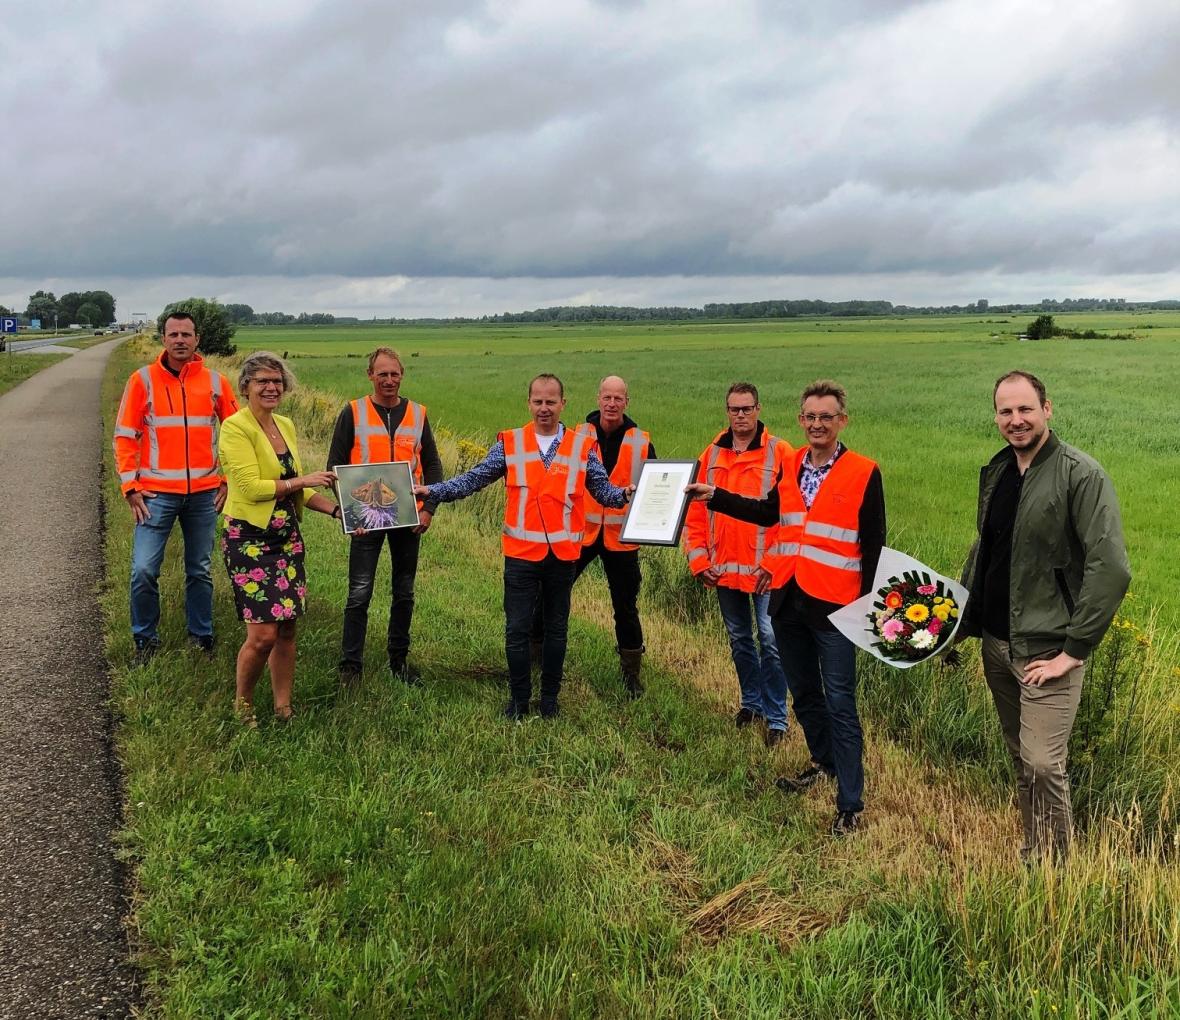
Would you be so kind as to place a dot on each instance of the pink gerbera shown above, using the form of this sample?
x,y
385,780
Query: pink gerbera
x,y
891,630
927,589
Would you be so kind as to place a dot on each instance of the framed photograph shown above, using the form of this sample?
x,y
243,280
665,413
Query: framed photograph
x,y
656,512
376,497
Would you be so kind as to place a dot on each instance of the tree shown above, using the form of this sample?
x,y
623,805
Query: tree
x,y
243,314
90,314
42,305
1041,328
213,326
4,310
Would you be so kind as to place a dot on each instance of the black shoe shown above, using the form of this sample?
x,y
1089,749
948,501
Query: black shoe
x,y
743,718
203,644
549,710
350,678
775,737
145,651
406,673
514,710
845,823
805,780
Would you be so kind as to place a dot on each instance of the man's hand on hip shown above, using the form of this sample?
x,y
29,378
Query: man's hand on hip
x,y
1042,670
139,508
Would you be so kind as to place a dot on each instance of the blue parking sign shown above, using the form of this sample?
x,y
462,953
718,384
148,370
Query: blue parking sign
x,y
8,324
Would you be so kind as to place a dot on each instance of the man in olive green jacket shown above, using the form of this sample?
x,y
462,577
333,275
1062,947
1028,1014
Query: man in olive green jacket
x,y
1046,576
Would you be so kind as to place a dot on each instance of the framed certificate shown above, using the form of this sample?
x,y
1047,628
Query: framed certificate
x,y
656,512
376,497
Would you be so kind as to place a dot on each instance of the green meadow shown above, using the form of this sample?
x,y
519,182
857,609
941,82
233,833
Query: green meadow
x,y
406,852
16,368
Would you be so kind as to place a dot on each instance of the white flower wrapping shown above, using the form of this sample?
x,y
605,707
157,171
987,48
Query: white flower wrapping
x,y
851,620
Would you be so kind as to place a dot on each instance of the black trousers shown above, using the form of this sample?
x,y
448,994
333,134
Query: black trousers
x,y
363,557
623,577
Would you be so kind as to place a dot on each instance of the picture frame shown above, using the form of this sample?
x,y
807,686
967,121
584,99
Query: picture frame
x,y
376,497
655,515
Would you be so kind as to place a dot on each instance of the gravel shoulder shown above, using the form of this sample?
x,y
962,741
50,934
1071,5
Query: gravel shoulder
x,y
63,947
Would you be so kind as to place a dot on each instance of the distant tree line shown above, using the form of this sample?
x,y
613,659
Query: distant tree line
x,y
244,315
77,308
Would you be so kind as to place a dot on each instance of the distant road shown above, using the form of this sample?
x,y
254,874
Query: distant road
x,y
28,345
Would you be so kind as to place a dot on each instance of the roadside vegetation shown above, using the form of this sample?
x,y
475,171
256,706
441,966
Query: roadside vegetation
x,y
16,368
407,852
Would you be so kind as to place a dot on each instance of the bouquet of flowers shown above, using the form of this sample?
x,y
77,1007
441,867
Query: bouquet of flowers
x,y
913,617
912,613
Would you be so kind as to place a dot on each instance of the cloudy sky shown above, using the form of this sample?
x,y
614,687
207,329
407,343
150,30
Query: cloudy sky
x,y
455,157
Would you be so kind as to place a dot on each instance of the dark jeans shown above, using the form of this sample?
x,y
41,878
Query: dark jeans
x,y
623,578
363,557
530,586
821,674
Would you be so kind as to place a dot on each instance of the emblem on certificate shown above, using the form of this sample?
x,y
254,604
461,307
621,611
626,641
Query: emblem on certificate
x,y
657,510
376,497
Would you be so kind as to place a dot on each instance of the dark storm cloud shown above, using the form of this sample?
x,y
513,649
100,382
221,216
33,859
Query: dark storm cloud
x,y
613,140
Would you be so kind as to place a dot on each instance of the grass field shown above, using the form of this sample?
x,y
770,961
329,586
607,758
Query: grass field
x,y
16,368
406,852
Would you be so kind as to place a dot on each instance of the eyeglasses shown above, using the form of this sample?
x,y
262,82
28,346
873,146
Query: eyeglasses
x,y
736,411
818,419
267,383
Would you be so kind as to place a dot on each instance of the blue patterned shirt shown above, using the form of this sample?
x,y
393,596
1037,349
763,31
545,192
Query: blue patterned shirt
x,y
494,467
811,478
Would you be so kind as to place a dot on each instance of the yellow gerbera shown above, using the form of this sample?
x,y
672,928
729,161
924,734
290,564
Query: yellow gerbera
x,y
917,613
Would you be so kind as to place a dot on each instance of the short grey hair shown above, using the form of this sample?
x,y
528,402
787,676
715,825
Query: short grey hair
x,y
261,360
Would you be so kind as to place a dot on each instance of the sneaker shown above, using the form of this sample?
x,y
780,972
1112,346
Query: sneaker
x,y
549,710
805,780
406,673
203,644
145,651
515,711
775,737
349,677
845,823
743,718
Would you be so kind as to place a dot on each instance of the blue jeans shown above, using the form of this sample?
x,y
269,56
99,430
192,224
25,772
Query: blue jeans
x,y
760,673
528,584
198,523
821,672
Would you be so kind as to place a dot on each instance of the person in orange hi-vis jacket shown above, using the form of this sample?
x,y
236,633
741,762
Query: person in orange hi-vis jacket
x,y
730,555
166,455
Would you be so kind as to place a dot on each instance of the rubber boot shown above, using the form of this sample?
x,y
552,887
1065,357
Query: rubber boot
x,y
631,659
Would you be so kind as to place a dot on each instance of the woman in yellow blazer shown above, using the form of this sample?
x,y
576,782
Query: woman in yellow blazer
x,y
261,543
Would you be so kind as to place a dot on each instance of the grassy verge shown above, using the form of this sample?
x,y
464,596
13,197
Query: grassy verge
x,y
407,852
16,368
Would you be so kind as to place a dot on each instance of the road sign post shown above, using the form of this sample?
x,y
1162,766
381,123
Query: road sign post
x,y
8,325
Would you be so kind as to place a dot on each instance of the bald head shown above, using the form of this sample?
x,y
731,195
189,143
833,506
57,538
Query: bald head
x,y
612,402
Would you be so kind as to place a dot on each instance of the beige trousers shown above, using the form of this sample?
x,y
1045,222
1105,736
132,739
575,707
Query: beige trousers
x,y
1036,723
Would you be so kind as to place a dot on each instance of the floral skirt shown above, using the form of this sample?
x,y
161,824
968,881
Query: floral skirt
x,y
265,567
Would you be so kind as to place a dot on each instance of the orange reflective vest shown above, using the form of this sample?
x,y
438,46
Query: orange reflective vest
x,y
608,520
783,549
828,564
545,509
370,436
735,548
166,430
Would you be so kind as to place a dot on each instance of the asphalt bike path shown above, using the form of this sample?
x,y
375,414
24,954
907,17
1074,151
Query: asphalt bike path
x,y
63,947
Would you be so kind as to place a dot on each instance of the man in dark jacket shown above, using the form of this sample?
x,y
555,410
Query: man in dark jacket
x,y
1046,576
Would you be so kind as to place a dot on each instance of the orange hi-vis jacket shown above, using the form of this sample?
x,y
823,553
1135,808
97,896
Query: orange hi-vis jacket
x,y
783,550
545,509
735,548
370,442
608,520
166,431
828,564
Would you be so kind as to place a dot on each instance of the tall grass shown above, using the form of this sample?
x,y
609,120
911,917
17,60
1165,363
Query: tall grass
x,y
408,853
